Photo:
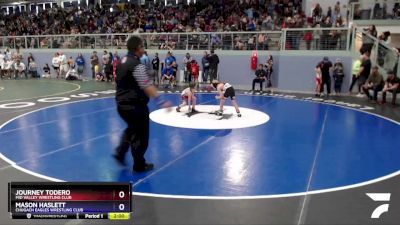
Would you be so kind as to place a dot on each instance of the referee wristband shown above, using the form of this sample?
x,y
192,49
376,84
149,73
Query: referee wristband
x,y
160,100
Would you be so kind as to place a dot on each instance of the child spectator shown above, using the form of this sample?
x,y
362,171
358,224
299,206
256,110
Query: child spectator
x,y
194,71
116,62
318,80
338,75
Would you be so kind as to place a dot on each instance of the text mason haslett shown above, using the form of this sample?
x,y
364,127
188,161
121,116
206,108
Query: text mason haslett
x,y
42,192
40,204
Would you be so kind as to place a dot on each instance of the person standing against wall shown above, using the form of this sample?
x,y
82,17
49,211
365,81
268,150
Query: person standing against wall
x,y
80,62
326,67
94,61
214,61
186,67
56,64
364,72
155,62
355,72
116,62
269,69
63,65
338,75
206,66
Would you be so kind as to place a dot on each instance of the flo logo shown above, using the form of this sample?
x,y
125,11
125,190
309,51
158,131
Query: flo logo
x,y
379,197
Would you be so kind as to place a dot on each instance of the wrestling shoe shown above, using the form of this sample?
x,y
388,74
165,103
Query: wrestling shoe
x,y
178,109
239,115
147,167
120,159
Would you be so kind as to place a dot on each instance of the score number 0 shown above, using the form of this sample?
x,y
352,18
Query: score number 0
x,y
121,195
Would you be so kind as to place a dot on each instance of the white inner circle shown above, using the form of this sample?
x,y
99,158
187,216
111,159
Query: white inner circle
x,y
205,120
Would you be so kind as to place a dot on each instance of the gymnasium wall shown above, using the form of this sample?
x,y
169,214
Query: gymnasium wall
x,y
293,70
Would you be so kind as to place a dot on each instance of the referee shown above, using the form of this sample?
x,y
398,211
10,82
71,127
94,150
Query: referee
x,y
134,88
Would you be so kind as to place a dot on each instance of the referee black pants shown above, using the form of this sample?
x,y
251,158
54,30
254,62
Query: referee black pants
x,y
136,135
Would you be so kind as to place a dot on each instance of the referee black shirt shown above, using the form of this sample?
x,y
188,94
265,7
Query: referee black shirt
x,y
132,78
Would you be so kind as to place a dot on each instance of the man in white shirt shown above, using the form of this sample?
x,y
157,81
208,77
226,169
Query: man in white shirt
x,y
63,64
7,70
19,68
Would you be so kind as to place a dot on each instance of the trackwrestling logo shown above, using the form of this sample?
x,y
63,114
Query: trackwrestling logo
x,y
379,197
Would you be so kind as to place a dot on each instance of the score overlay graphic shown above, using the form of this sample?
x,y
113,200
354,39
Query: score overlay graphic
x,y
69,200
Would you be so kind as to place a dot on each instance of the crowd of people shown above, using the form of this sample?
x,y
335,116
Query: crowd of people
x,y
12,65
213,16
364,75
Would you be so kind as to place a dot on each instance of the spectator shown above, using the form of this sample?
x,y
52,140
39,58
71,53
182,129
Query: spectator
x,y
308,38
8,55
336,13
214,61
7,70
63,65
94,61
145,60
356,74
385,37
56,64
116,62
263,42
80,62
317,13
269,67
392,85
317,37
194,71
368,42
105,57
318,80
261,74
19,69
108,69
32,67
326,34
46,71
30,56
167,74
156,66
71,74
365,70
169,60
215,41
2,61
186,67
206,66
326,67
338,75
71,63
375,82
